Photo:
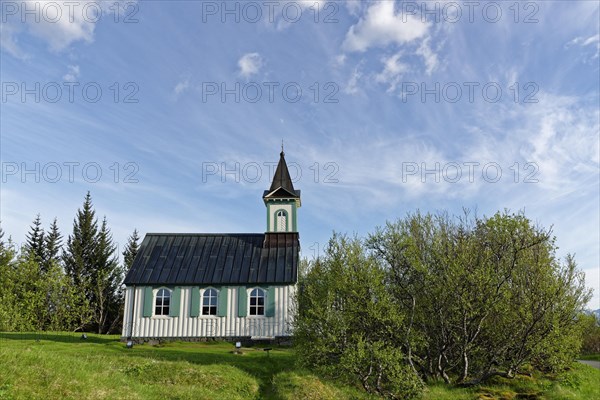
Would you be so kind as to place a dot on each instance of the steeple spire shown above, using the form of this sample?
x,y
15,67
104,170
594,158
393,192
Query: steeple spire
x,y
282,179
281,199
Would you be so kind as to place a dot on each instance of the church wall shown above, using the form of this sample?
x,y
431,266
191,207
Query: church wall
x,y
186,326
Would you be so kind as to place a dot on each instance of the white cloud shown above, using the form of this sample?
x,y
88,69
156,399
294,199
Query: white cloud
x,y
352,86
68,27
9,41
559,135
430,58
72,74
583,42
340,60
392,71
250,64
58,23
181,87
382,26
586,41
565,142
353,6
289,12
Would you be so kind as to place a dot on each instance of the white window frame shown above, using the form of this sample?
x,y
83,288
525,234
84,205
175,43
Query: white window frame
x,y
162,306
286,219
264,306
202,292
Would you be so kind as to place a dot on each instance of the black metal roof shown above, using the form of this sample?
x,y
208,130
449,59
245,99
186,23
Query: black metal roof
x,y
215,259
282,185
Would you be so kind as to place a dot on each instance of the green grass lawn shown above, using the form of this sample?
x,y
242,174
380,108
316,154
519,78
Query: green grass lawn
x,y
592,357
61,366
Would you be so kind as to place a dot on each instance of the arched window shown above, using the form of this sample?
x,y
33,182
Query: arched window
x,y
209,302
257,302
281,221
162,303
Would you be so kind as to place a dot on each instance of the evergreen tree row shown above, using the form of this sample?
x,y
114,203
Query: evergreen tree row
x,y
78,286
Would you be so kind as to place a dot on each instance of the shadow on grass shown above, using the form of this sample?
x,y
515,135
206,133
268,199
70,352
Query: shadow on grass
x,y
61,337
255,362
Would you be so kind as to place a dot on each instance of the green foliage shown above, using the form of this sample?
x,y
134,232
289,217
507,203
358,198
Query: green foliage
x,y
53,245
80,253
80,290
462,299
34,246
131,249
348,326
6,283
591,334
380,368
90,262
33,299
485,296
105,278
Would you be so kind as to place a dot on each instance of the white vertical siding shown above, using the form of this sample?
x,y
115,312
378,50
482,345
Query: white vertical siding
x,y
185,326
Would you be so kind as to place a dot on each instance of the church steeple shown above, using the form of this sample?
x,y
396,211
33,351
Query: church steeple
x,y
282,200
282,179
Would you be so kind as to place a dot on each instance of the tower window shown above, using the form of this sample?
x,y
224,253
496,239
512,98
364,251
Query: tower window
x,y
281,221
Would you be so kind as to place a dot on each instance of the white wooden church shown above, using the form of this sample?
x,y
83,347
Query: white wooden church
x,y
230,285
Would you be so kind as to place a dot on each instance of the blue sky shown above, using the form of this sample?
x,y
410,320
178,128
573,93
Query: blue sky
x,y
384,108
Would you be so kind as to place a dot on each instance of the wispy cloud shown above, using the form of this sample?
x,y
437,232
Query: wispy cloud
x,y
429,57
392,71
58,23
181,87
60,29
72,74
250,64
352,85
9,41
382,26
593,41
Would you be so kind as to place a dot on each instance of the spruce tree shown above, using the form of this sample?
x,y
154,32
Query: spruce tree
x,y
106,278
34,246
53,244
7,252
78,258
131,250
116,312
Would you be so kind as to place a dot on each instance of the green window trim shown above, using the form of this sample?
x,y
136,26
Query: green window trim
x,y
195,302
175,302
222,301
294,223
242,301
270,306
148,301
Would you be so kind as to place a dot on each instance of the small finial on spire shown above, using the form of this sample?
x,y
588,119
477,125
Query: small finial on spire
x,y
282,147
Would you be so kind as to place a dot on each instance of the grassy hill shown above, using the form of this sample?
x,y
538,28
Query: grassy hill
x,y
61,366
